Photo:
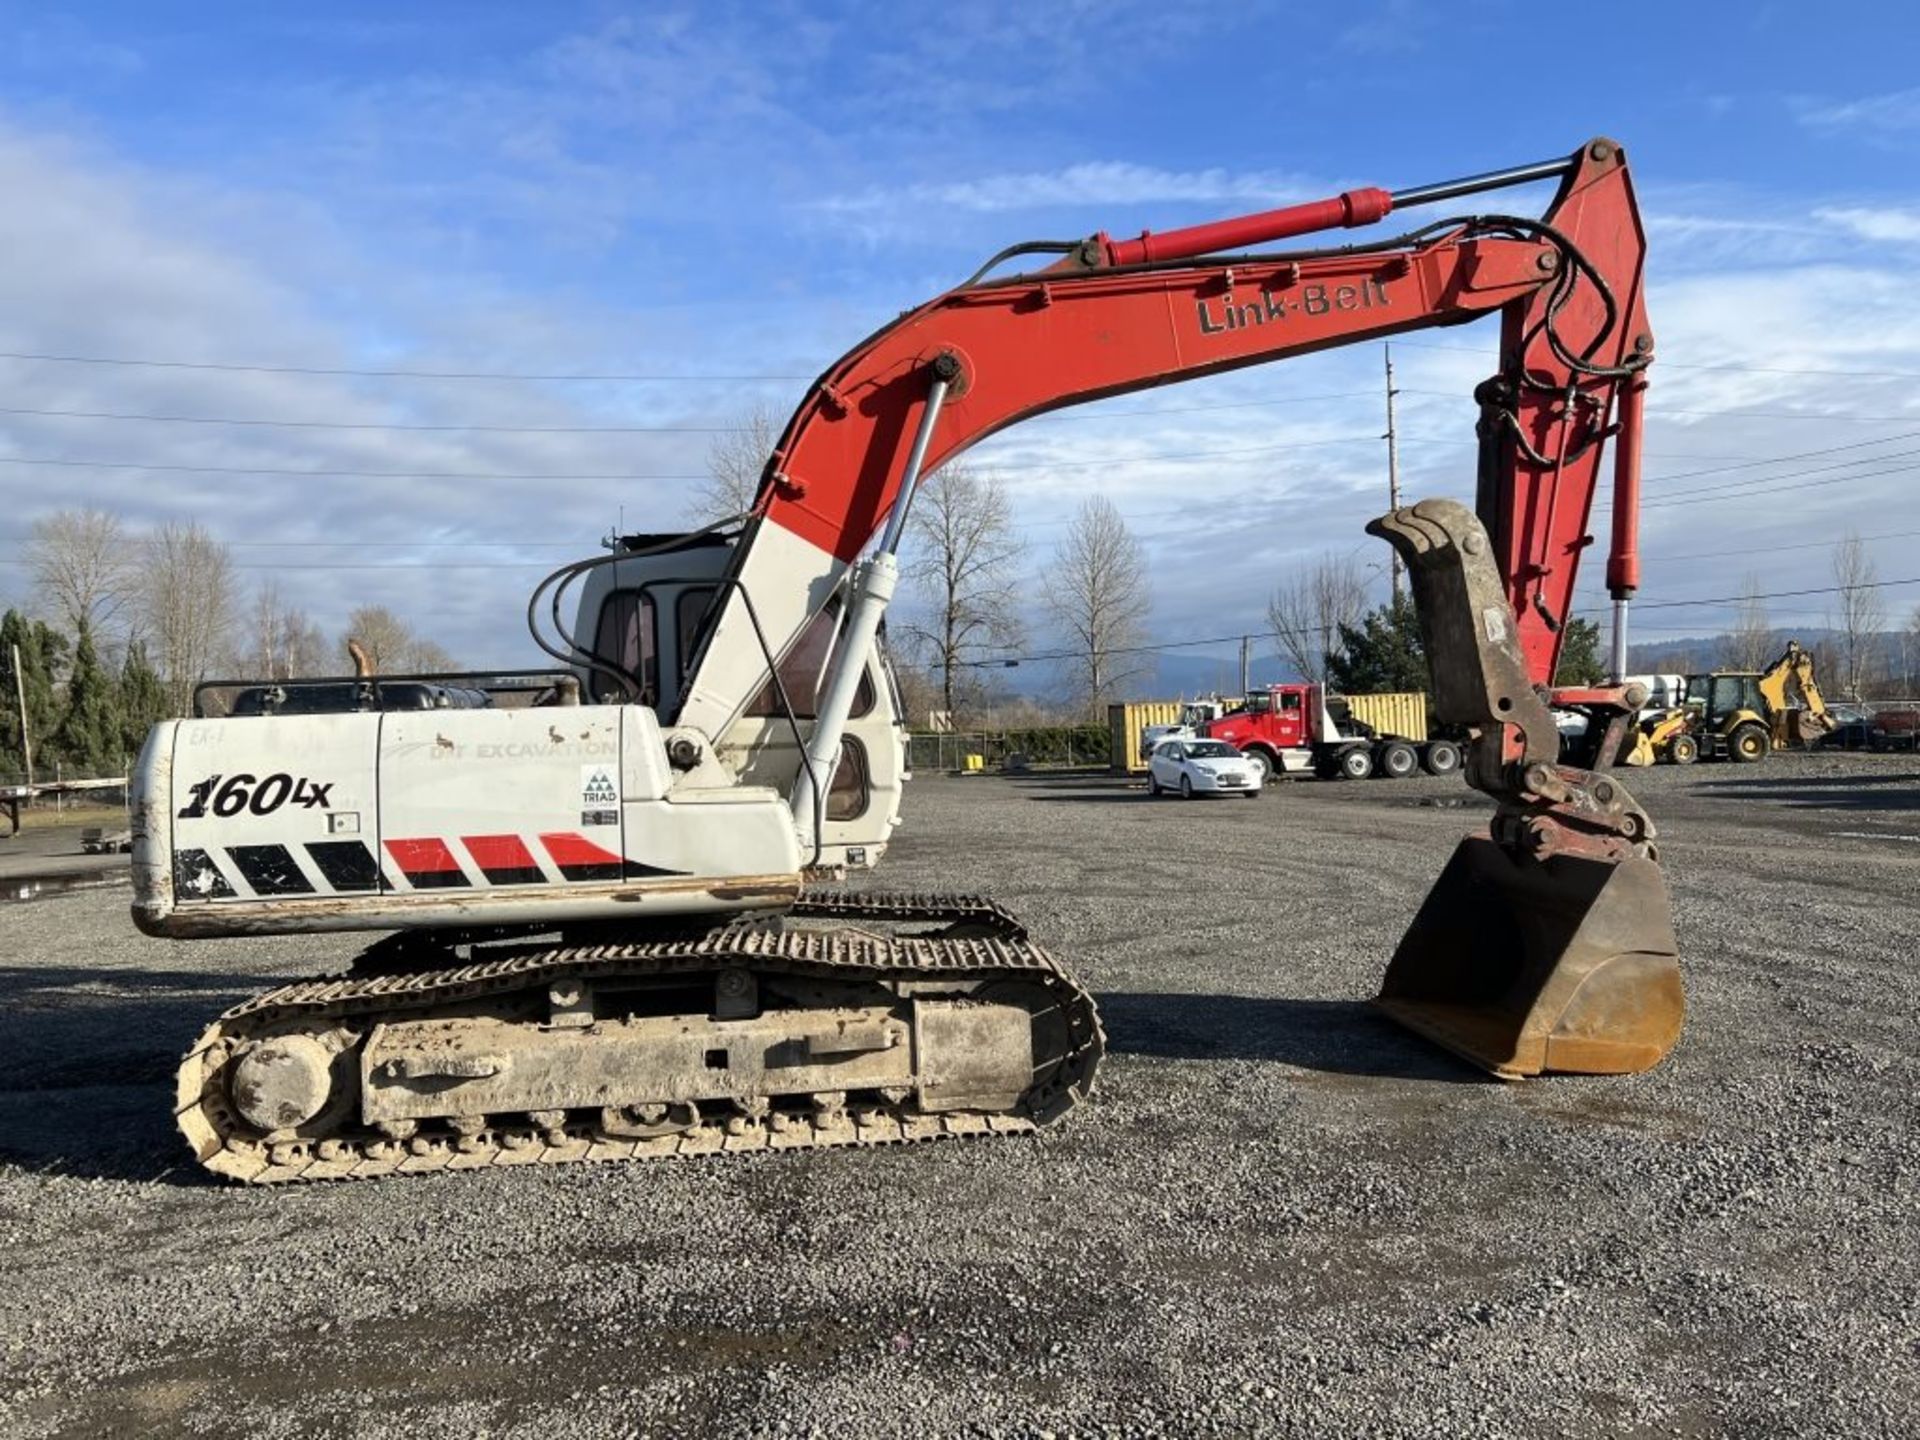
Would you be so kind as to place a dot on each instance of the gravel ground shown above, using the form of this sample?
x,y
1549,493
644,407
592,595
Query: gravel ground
x,y
1279,1214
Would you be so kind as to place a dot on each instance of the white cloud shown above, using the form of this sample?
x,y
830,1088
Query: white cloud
x,y
1896,111
1100,182
1877,223
110,260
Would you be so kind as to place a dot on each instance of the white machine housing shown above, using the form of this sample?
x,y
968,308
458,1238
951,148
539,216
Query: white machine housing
x,y
519,814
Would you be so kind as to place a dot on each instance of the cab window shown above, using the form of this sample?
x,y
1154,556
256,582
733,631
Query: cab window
x,y
800,674
850,793
688,611
1290,700
626,638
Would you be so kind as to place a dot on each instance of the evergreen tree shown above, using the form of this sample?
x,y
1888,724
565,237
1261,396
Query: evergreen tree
x,y
1384,653
1580,662
91,735
42,652
143,699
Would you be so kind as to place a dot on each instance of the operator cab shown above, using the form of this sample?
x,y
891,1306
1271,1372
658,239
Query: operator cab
x,y
643,617
1723,695
640,615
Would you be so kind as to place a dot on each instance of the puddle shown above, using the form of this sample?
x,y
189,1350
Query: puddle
x,y
39,887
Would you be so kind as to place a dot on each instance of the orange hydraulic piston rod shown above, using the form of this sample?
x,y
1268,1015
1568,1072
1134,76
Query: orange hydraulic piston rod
x,y
1350,208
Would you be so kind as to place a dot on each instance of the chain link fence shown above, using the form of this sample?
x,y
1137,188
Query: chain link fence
x,y
1055,746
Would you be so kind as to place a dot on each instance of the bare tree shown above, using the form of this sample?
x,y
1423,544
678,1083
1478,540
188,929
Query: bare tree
x,y
1097,590
1862,614
427,657
269,650
84,564
734,466
381,633
305,648
1305,613
286,645
188,599
964,552
919,689
392,644
1750,644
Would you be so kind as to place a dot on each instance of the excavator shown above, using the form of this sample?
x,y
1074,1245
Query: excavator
x,y
1738,715
615,890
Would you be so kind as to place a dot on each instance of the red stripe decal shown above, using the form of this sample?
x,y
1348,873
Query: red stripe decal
x,y
569,849
427,857
499,852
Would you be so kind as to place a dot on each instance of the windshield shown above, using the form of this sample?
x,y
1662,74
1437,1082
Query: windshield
x,y
1211,750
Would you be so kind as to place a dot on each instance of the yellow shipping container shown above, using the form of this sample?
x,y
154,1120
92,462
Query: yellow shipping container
x,y
1403,713
1124,724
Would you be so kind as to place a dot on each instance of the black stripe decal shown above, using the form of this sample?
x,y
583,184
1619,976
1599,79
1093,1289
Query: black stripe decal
x,y
196,877
436,879
637,870
270,869
591,872
347,864
514,875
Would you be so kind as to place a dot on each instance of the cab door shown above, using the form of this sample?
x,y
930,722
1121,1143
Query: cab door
x,y
1289,718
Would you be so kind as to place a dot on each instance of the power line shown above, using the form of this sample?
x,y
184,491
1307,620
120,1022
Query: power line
x,y
606,376
1762,486
1773,594
377,424
591,429
1001,661
653,377
320,474
1695,497
1770,548
419,565
1798,455
1738,412
1177,456
1678,365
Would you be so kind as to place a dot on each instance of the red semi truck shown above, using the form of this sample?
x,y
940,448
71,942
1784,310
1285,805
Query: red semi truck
x,y
1287,729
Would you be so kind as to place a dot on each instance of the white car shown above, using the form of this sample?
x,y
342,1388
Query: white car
x,y
1200,767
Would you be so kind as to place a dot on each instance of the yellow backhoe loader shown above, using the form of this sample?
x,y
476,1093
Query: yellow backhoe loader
x,y
1738,715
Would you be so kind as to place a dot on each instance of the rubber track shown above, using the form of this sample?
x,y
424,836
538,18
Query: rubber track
x,y
223,1146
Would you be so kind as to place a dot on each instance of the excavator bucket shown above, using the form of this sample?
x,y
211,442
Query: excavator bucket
x,y
1547,943
1526,967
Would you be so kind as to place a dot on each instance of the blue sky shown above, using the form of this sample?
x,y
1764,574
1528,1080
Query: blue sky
x,y
747,190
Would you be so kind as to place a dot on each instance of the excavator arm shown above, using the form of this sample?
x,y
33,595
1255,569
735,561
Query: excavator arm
x,y
1546,944
1113,317
1794,671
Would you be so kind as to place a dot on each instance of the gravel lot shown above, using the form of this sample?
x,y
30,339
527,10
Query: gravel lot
x,y
1279,1215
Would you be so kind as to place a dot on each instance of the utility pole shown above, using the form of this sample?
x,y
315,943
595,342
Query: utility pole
x,y
20,699
1393,465
1246,665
